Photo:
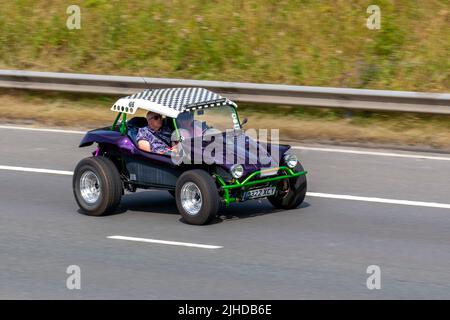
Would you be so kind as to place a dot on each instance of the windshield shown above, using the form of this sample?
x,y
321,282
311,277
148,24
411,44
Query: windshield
x,y
198,121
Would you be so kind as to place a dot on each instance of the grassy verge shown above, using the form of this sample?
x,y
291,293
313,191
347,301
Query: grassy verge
x,y
303,124
304,42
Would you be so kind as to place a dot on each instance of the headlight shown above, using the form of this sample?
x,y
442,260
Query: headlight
x,y
290,160
237,171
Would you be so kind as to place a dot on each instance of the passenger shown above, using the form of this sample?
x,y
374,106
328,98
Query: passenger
x,y
154,137
194,128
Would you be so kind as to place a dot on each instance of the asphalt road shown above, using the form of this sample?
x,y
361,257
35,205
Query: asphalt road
x,y
318,251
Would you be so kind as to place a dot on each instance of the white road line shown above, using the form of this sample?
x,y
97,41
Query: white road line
x,y
380,200
371,153
310,194
348,151
37,170
42,130
172,243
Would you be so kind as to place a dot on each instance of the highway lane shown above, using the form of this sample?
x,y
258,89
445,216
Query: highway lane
x,y
354,174
320,250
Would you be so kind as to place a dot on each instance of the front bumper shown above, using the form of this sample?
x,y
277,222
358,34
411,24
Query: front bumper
x,y
283,172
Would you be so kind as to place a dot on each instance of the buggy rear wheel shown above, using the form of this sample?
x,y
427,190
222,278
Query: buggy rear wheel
x,y
291,192
97,186
197,197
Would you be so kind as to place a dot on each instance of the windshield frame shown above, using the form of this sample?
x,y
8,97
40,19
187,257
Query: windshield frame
x,y
234,119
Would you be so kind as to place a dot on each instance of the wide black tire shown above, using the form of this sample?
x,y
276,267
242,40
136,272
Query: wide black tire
x,y
296,194
210,200
109,185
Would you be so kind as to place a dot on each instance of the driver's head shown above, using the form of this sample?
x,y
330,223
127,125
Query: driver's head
x,y
154,120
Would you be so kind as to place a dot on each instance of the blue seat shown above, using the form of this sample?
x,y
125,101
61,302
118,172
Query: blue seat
x,y
133,126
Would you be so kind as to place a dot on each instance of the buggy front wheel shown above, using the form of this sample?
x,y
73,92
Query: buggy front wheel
x,y
197,197
291,192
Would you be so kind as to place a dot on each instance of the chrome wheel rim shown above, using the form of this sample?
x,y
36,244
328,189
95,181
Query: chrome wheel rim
x,y
90,187
191,198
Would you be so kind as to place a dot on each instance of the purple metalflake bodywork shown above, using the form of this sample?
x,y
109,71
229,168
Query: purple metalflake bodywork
x,y
126,146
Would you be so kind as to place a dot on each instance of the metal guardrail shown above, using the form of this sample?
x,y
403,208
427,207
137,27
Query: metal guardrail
x,y
363,99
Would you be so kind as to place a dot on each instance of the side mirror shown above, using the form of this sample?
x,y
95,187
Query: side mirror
x,y
244,121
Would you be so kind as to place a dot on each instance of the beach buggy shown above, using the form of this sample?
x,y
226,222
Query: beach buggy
x,y
212,162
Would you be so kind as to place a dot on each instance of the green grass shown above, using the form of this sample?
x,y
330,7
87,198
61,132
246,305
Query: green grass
x,y
304,42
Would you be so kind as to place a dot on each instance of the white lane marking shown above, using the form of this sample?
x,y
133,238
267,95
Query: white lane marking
x,y
42,130
379,200
172,243
310,194
372,153
38,170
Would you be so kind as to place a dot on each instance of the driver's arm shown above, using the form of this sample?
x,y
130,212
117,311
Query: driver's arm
x,y
144,145
143,139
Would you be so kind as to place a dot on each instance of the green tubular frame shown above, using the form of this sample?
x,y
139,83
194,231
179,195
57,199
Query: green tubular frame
x,y
115,121
248,181
176,128
123,125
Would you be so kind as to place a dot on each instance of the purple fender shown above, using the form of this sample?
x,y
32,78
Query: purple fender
x,y
101,136
122,142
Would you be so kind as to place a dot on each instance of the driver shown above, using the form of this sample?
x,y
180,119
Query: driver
x,y
155,137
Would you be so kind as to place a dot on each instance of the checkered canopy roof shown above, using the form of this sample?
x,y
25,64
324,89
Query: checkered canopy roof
x,y
171,101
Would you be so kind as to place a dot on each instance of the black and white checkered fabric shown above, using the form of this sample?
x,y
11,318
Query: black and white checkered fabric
x,y
182,99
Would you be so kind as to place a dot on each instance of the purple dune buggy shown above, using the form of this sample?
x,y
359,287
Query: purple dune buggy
x,y
200,187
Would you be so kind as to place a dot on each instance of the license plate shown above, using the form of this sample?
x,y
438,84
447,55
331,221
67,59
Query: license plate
x,y
259,193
